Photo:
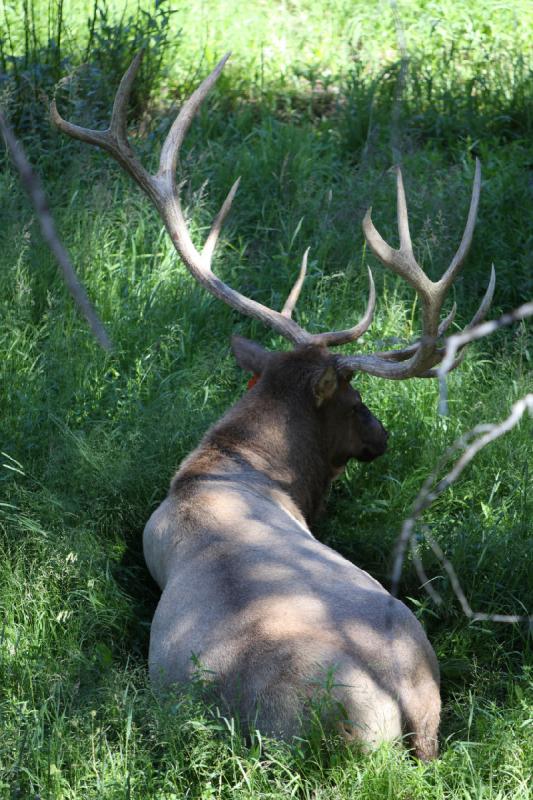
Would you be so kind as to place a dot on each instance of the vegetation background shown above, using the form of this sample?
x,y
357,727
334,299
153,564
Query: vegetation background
x,y
311,111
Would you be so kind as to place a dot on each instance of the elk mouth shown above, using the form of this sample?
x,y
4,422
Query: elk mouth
x,y
367,454
371,451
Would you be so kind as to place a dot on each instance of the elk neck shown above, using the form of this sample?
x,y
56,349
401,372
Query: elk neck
x,y
266,441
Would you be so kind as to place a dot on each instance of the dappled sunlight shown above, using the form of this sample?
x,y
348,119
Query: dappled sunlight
x,y
307,117
258,602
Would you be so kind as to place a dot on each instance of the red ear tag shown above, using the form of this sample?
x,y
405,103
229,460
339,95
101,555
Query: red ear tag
x,y
253,380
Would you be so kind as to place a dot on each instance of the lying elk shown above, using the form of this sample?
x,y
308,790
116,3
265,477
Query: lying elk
x,y
246,588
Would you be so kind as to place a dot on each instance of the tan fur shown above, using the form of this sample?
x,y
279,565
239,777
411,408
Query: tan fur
x,y
279,620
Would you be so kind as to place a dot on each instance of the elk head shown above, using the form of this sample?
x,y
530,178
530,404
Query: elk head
x,y
416,360
310,383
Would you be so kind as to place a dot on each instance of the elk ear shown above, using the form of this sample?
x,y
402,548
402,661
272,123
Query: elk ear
x,y
325,386
250,356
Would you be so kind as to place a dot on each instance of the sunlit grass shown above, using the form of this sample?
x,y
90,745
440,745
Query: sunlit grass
x,y
90,441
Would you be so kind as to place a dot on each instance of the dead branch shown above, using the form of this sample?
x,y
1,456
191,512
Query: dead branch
x,y
32,183
471,443
456,342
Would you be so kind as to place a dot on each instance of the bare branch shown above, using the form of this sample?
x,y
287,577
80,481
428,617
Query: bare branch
x,y
32,183
470,443
455,343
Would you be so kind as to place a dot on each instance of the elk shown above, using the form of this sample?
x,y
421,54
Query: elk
x,y
247,590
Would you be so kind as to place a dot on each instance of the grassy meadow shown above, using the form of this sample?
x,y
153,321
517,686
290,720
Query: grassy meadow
x,y
315,102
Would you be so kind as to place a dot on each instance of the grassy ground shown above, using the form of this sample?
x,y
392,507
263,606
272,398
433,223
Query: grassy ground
x,y
307,112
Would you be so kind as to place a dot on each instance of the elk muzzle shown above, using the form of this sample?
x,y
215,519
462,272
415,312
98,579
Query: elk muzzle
x,y
376,444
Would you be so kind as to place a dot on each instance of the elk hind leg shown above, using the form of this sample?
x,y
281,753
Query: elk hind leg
x,y
422,721
370,725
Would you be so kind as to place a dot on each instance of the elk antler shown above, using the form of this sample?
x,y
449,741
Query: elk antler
x,y
162,190
418,359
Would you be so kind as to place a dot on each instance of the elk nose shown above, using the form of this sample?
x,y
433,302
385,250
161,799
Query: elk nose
x,y
384,436
380,429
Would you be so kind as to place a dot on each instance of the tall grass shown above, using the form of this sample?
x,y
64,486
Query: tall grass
x,y
303,113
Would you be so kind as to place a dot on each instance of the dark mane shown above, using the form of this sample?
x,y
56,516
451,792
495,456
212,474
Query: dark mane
x,y
274,431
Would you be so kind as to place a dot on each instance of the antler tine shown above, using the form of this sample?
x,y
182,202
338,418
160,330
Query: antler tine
x,y
98,138
114,139
335,338
171,147
118,126
403,219
375,241
485,304
447,321
401,261
216,227
458,259
294,294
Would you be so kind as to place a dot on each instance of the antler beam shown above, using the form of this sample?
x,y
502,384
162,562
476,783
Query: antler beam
x,y
419,359
162,190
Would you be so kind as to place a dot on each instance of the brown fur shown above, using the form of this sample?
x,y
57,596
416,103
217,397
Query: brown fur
x,y
267,609
277,429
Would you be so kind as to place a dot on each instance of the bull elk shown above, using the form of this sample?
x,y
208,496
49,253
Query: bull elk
x,y
267,609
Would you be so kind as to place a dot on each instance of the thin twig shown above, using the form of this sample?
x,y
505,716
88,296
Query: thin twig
x,y
458,340
32,183
471,443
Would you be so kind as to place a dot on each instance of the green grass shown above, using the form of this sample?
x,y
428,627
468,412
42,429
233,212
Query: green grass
x,y
303,113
